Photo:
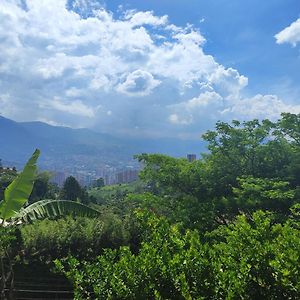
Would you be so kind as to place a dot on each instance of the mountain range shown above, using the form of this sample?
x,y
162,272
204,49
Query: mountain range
x,y
64,147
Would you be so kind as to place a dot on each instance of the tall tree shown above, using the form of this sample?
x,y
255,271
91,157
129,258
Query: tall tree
x,y
41,187
98,182
71,189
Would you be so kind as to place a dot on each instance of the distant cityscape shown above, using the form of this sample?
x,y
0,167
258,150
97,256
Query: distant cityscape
x,y
86,175
87,178
111,175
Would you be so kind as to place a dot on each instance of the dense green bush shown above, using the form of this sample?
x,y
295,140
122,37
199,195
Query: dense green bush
x,y
82,237
256,259
250,259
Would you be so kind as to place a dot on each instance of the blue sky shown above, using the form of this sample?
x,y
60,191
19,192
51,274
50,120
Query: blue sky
x,y
149,68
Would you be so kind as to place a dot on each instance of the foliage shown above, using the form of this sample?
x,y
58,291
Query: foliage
x,y
251,165
248,253
244,149
246,260
252,255
53,209
168,175
43,188
156,271
115,194
268,194
9,254
71,189
99,182
82,237
187,210
17,193
289,127
7,175
15,196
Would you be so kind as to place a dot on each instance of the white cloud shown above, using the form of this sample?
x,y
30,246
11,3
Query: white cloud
x,y
75,107
192,37
73,92
138,83
228,82
138,18
203,100
211,107
262,106
180,120
193,111
290,34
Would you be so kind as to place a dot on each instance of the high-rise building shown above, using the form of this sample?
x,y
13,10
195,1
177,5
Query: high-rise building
x,y
191,157
127,176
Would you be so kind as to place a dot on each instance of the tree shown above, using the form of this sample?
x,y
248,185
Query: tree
x,y
250,148
289,127
99,183
261,193
184,195
264,152
71,189
41,186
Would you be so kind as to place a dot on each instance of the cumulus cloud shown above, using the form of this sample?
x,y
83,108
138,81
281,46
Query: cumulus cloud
x,y
138,18
290,34
262,106
138,83
228,82
210,106
196,109
76,63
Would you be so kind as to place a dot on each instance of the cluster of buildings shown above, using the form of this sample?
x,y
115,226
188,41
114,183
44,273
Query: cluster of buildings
x,y
110,175
87,178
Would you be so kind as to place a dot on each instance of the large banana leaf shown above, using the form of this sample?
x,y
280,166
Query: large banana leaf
x,y
17,193
55,208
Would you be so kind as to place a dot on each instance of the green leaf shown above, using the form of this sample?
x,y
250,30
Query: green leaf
x,y
55,208
18,192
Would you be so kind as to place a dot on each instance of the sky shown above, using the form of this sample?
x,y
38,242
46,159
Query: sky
x,y
156,68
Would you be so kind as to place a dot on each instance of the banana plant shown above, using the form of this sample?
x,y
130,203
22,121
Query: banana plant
x,y
17,193
12,210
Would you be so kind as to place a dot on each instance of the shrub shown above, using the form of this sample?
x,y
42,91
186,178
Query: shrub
x,y
246,260
81,237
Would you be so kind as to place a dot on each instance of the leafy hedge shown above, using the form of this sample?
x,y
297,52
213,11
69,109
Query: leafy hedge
x,y
249,259
82,237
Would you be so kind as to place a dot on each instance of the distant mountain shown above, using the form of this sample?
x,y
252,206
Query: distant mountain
x,y
64,147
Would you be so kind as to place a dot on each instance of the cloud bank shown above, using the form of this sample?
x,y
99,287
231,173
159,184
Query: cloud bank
x,y
77,63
